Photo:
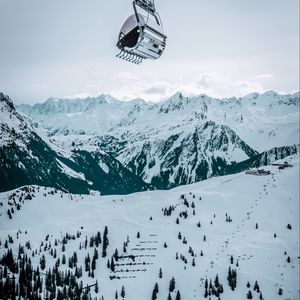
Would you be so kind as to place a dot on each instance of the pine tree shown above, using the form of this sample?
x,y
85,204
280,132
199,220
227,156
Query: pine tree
x,y
105,242
280,291
156,289
154,292
232,278
169,297
123,292
193,262
43,262
256,287
116,255
93,266
217,282
96,255
87,263
70,263
249,295
172,285
178,296
112,264
138,235
160,274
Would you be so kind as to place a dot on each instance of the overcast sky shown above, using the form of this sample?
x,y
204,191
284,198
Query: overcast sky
x,y
66,48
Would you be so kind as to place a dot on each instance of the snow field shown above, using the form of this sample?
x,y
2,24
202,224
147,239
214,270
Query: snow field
x,y
271,201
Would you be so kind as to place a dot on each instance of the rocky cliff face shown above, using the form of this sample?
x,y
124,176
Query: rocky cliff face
x,y
185,157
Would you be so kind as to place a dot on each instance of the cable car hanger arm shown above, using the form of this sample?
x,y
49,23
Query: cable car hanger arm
x,y
148,5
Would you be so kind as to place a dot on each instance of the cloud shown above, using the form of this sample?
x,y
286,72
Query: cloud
x,y
154,87
159,89
220,86
264,76
78,96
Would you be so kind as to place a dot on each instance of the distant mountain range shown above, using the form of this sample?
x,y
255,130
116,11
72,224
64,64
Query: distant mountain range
x,y
262,121
118,147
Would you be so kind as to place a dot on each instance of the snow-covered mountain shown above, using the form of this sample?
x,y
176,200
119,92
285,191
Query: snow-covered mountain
x,y
223,238
178,141
27,156
79,116
263,121
187,156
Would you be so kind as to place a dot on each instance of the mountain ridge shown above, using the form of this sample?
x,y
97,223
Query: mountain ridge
x,y
254,115
26,158
181,141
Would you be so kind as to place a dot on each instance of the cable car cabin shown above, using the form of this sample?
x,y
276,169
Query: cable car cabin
x,y
142,36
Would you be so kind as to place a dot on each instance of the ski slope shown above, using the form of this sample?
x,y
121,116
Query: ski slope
x,y
270,201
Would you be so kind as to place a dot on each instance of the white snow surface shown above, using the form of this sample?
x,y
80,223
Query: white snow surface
x,y
271,201
79,116
70,172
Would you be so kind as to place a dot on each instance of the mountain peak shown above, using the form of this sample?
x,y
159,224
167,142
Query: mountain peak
x,y
7,100
270,94
177,95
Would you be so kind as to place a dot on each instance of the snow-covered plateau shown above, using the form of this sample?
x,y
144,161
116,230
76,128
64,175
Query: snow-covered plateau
x,y
243,223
